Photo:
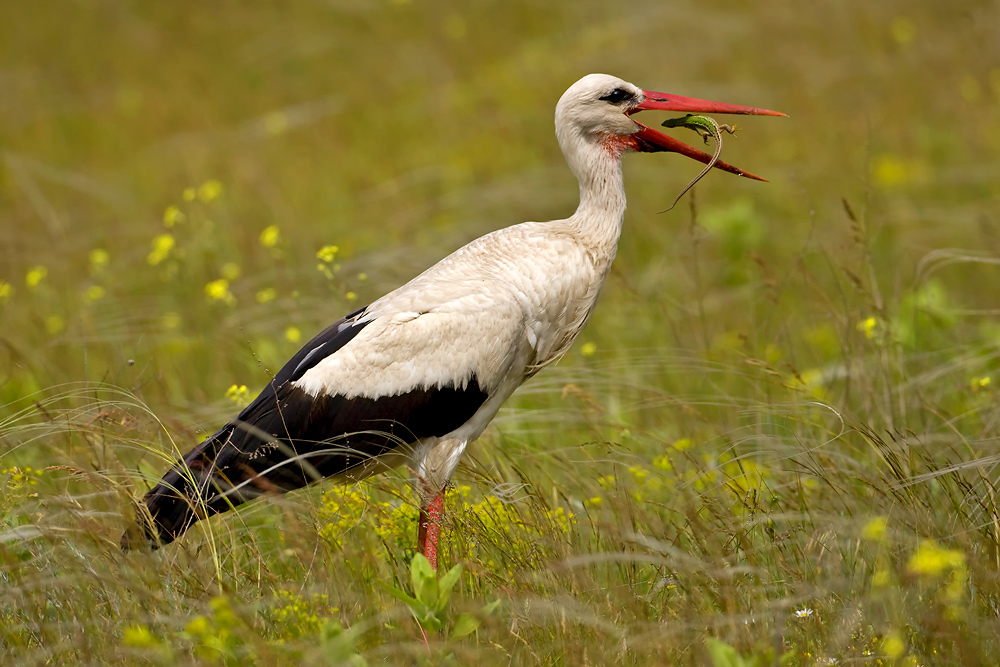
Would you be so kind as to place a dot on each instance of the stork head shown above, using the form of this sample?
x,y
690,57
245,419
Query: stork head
x,y
596,111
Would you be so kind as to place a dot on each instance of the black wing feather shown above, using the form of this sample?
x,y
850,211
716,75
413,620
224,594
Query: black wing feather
x,y
286,439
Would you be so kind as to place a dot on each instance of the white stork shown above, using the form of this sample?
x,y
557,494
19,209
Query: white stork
x,y
418,374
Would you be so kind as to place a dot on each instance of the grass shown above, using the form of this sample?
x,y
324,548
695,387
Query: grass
x,y
775,441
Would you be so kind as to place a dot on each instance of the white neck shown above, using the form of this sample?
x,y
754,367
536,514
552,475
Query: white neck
x,y
598,219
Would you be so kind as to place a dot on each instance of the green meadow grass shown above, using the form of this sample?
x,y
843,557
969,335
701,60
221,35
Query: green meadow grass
x,y
776,441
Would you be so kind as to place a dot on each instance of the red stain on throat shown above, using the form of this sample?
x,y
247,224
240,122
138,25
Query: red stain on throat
x,y
616,144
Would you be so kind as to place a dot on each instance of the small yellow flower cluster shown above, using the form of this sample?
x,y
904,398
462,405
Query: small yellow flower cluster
x,y
588,349
395,523
293,335
868,326
889,170
932,560
270,236
266,295
874,530
238,394
173,215
645,482
214,637
206,192
6,291
893,645
932,563
35,276
93,293
209,190
341,510
218,290
300,617
162,245
326,255
54,324
980,383
20,478
663,462
140,636
561,519
98,260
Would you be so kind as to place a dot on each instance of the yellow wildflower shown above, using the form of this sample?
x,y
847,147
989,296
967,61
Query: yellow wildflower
x,y
327,253
588,349
270,236
35,276
209,190
351,296
162,245
867,326
93,293
663,462
238,394
172,215
893,645
874,530
139,636
197,626
980,383
54,324
293,335
561,519
218,290
267,294
99,259
6,291
932,560
892,170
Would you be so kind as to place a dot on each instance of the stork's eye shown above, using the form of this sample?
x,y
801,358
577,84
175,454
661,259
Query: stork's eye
x,y
617,96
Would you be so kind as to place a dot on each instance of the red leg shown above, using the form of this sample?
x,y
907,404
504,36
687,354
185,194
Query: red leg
x,y
430,529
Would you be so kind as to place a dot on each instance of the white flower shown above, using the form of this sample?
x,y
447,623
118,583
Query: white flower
x,y
803,613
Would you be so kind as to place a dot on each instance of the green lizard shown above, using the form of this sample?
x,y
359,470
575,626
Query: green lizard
x,y
705,127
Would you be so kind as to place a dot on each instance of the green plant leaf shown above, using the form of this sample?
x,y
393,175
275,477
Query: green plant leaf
x,y
724,655
465,625
398,594
425,583
490,608
446,583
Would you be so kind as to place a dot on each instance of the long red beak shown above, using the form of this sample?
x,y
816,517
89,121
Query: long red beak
x,y
648,140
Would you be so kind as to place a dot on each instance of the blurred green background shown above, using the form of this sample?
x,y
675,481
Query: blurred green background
x,y
189,191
